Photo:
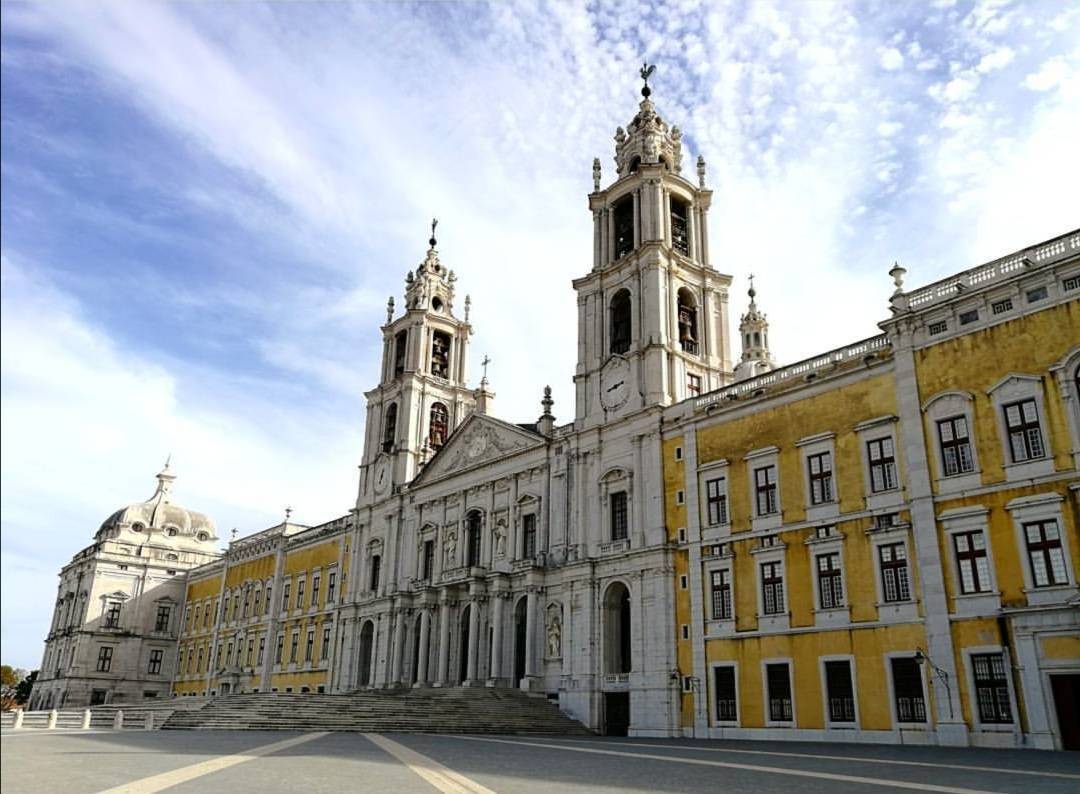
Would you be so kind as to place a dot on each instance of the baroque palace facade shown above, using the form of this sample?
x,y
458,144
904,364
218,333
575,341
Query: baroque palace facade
x,y
879,543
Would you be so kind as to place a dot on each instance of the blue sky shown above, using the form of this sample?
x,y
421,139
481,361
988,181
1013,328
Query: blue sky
x,y
206,207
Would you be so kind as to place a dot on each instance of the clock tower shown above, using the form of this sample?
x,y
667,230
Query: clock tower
x,y
421,396
652,313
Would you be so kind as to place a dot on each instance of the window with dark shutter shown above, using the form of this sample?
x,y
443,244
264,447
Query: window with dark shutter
x,y
840,691
779,682
726,694
908,690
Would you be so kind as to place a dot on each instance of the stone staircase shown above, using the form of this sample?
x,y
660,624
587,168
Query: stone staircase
x,y
451,710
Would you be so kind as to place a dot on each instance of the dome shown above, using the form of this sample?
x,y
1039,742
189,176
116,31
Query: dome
x,y
160,514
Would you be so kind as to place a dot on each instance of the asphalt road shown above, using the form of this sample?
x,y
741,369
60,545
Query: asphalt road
x,y
135,762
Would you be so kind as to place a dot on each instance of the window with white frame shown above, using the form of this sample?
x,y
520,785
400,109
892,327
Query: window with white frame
x,y
778,691
839,691
972,561
720,594
765,491
895,577
619,517
1021,415
820,473
1045,553
881,455
716,505
956,457
772,588
909,697
991,676
830,580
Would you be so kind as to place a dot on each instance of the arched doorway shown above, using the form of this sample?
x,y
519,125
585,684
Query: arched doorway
x,y
367,646
521,624
463,649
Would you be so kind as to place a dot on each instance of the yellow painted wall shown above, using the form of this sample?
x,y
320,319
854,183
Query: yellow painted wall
x,y
1065,648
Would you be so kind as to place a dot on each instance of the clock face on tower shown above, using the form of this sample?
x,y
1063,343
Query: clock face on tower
x,y
381,474
615,383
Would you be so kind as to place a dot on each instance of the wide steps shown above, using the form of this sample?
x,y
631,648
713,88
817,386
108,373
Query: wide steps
x,y
428,711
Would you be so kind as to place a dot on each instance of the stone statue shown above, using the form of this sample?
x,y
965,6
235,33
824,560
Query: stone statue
x,y
596,173
500,538
450,548
554,635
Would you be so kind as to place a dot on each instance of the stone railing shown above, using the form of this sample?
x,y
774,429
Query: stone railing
x,y
998,270
800,369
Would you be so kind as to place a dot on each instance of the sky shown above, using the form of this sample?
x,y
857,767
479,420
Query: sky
x,y
205,208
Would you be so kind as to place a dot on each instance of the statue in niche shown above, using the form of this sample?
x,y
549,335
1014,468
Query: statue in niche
x,y
554,634
450,548
500,538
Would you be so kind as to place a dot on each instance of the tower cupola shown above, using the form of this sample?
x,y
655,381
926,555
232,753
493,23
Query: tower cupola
x,y
647,138
754,332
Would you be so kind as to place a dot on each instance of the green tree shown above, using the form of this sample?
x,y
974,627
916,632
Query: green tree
x,y
9,681
22,689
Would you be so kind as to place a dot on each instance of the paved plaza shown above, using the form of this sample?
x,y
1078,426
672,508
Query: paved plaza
x,y
81,762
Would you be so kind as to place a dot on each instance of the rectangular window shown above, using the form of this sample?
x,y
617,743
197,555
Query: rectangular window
x,y
908,690
293,646
969,317
972,561
285,597
528,536
619,522
772,588
1045,553
199,664
104,659
992,687
1002,306
280,649
429,559
324,649
376,566
765,490
161,620
331,586
821,482
940,327
154,668
1037,294
721,595
955,446
309,648
779,685
716,501
693,385
266,605
251,651
830,580
316,580
262,650
895,583
1071,283
112,615
1025,435
882,464
840,691
726,694
300,593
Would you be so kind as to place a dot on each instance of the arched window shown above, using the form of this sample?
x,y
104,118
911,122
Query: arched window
x,y
620,321
401,346
472,538
440,420
390,428
680,228
617,648
624,226
440,354
688,330
635,163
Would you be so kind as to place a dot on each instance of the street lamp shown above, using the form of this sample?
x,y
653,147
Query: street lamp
x,y
921,657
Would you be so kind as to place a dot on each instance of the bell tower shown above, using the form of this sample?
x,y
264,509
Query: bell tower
x,y
652,313
421,396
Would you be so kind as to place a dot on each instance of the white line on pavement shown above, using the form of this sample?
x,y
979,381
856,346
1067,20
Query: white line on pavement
x,y
774,770
149,785
858,758
443,778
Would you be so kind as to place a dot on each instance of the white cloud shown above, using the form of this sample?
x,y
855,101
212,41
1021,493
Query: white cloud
x,y
1051,74
891,59
998,59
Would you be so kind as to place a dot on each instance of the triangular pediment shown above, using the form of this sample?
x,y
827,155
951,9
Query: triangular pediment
x,y
479,439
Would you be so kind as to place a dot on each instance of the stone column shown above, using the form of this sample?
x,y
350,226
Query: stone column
x,y
474,639
399,647
530,635
497,637
425,638
444,641
637,218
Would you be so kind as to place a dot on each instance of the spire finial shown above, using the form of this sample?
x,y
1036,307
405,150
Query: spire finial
x,y
547,402
168,460
596,174
701,171
434,223
484,364
468,305
752,292
390,309
288,513
646,72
